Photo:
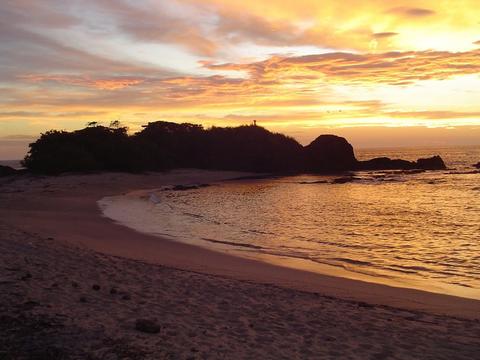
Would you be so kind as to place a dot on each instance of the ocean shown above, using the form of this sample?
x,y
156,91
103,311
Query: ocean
x,y
408,229
16,164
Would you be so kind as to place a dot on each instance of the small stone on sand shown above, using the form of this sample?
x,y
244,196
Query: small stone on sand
x,y
147,326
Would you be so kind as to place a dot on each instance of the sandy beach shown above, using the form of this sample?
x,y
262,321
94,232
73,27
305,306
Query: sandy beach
x,y
74,285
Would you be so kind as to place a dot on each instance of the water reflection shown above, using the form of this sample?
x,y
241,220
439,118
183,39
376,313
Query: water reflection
x,y
419,230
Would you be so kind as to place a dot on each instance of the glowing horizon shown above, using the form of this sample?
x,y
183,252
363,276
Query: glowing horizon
x,y
366,70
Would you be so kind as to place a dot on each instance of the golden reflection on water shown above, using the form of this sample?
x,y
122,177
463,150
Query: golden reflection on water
x,y
416,233
417,230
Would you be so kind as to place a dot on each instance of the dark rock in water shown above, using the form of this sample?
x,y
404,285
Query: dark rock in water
x,y
477,165
7,171
183,187
385,163
344,180
329,153
147,326
432,163
188,187
464,172
96,287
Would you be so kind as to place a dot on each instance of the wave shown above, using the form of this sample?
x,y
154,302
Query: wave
x,y
245,245
353,262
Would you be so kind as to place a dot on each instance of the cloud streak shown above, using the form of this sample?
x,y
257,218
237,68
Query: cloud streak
x,y
412,12
394,68
115,83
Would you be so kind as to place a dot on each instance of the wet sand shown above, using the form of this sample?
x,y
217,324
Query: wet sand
x,y
61,259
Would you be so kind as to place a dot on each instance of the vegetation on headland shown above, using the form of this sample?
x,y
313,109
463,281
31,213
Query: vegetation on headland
x,y
165,145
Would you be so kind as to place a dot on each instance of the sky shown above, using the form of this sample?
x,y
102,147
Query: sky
x,y
381,73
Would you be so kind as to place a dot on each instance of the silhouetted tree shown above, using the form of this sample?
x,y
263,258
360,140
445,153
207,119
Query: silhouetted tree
x,y
251,148
90,149
163,145
115,124
172,144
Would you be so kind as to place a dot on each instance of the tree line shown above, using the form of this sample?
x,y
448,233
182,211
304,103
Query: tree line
x,y
163,145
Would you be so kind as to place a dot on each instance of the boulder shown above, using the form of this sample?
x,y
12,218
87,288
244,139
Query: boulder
x,y
329,153
432,163
385,163
7,171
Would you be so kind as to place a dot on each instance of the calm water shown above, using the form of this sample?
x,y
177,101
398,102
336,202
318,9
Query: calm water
x,y
414,230
16,164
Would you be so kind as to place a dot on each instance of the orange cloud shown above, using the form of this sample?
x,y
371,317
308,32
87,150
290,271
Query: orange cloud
x,y
102,84
395,68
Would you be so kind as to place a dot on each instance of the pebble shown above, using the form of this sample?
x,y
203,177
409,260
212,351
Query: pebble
x,y
147,326
26,276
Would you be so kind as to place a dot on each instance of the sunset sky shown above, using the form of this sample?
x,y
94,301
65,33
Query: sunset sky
x,y
381,73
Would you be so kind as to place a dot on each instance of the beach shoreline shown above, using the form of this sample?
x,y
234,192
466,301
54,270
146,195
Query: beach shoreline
x,y
65,208
75,285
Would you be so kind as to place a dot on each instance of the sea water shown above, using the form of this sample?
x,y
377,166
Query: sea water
x,y
410,229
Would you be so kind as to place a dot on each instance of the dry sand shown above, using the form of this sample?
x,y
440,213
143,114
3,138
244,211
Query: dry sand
x,y
73,284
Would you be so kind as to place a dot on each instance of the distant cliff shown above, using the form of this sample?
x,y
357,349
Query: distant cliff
x,y
164,145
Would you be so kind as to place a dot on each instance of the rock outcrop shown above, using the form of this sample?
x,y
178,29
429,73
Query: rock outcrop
x,y
385,163
477,165
329,153
432,163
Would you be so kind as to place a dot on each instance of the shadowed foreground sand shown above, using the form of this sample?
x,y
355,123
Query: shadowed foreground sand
x,y
60,299
50,308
